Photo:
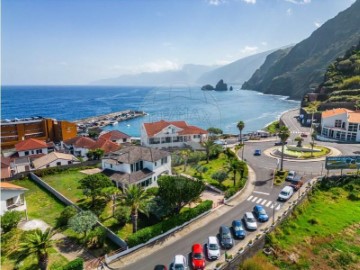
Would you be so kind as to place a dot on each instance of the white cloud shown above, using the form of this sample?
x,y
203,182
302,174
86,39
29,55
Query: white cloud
x,y
249,49
317,24
156,66
299,2
250,1
215,2
264,43
289,12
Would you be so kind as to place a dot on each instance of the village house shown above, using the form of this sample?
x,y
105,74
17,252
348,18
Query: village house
x,y
106,145
33,147
54,159
171,134
341,124
78,146
12,197
136,165
116,136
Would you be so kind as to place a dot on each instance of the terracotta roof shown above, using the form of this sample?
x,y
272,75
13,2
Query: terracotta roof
x,y
330,113
114,135
354,117
106,145
81,142
9,186
53,156
132,154
30,144
126,178
155,127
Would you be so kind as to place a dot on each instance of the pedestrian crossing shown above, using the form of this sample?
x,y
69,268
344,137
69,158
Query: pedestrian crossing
x,y
266,203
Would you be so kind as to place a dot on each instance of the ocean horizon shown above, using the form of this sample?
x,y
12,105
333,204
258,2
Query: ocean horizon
x,y
202,108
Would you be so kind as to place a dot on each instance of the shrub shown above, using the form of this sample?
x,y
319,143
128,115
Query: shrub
x,y
313,221
219,176
96,238
10,220
145,234
122,215
65,215
77,264
230,192
354,195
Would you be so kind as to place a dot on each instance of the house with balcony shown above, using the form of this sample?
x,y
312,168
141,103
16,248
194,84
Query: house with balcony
x,y
12,197
136,165
163,134
341,125
116,136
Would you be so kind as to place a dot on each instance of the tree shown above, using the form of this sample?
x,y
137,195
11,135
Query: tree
x,y
136,198
214,132
208,145
111,193
233,167
240,125
66,214
219,176
122,215
10,220
82,222
185,154
312,108
95,154
38,243
284,134
200,169
93,184
313,137
299,141
177,191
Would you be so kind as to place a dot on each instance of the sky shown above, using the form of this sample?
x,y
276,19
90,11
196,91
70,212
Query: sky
x,y
72,42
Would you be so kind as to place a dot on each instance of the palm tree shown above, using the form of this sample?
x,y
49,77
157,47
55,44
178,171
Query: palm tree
x,y
38,243
313,137
209,144
284,134
240,125
312,108
185,155
233,166
136,198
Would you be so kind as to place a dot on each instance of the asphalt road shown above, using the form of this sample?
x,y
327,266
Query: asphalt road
x,y
264,193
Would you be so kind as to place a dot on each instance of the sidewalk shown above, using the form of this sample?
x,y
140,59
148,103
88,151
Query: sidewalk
x,y
214,214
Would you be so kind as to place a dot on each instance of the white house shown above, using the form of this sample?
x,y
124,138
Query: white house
x,y
31,147
341,124
79,146
136,165
12,197
54,159
171,134
116,136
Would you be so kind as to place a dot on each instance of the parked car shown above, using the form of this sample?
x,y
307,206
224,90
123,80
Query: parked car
x,y
303,135
179,263
291,175
225,237
160,267
260,213
257,152
286,193
238,229
296,184
279,143
197,257
250,221
213,248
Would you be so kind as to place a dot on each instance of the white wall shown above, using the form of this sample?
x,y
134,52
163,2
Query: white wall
x,y
54,163
105,164
7,194
33,152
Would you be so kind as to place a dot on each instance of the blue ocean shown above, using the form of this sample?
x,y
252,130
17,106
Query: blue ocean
x,y
201,108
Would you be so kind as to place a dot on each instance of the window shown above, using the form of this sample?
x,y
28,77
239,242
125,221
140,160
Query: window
x,y
10,202
111,166
58,163
137,166
26,153
69,162
197,136
353,127
146,183
338,123
39,151
325,132
163,160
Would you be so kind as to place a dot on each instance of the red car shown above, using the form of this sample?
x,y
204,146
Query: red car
x,y
303,135
197,257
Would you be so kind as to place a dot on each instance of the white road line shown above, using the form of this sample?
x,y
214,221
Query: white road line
x,y
272,206
267,205
248,199
259,200
259,192
263,202
278,207
254,199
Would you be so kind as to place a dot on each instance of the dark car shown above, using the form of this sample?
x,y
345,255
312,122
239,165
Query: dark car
x,y
225,237
257,152
279,143
296,184
260,213
160,267
238,229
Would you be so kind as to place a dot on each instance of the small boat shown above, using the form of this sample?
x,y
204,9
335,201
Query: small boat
x,y
114,123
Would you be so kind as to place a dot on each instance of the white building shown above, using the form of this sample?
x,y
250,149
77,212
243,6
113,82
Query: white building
x,y
79,146
54,159
116,136
31,147
341,124
171,134
12,197
136,165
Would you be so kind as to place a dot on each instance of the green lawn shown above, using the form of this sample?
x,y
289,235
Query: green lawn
x,y
40,204
67,183
324,151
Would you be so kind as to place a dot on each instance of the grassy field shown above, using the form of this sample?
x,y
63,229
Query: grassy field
x,y
324,151
40,204
323,233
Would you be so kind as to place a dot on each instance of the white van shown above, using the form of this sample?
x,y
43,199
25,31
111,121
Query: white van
x,y
286,193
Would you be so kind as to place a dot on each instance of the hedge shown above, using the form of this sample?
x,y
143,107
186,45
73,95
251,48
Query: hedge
x,y
144,235
77,264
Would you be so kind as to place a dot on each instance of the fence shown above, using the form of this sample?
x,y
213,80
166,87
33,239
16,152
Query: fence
x,y
112,236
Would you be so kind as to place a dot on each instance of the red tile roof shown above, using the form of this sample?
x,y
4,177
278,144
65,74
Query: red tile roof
x,y
333,112
114,135
155,127
354,117
81,142
106,145
9,186
30,144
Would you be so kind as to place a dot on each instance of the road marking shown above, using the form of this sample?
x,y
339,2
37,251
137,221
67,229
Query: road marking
x,y
278,207
259,192
272,206
259,200
263,202
267,205
254,199
248,199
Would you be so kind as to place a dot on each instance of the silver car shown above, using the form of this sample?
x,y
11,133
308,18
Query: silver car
x,y
250,221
